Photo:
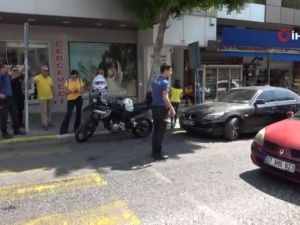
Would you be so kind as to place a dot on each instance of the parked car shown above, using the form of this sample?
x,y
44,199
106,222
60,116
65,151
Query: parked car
x,y
276,148
242,110
222,87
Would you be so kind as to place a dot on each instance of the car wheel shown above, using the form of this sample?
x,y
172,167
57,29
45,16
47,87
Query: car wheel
x,y
232,129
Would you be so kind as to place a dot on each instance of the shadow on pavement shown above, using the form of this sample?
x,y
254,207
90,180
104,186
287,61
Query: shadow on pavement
x,y
102,153
274,186
206,138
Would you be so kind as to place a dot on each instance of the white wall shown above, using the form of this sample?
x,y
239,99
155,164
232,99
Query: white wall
x,y
189,29
100,9
251,12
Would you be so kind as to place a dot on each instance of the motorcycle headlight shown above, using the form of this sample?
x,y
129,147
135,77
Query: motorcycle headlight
x,y
95,100
214,116
260,137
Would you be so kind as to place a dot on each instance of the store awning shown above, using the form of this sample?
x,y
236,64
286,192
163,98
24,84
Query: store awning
x,y
274,56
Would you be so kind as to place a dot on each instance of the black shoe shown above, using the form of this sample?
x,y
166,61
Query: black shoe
x,y
45,128
18,132
161,156
7,136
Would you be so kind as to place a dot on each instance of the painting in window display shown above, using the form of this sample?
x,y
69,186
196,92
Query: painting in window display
x,y
119,62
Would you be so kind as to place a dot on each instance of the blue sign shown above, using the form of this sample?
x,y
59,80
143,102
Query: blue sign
x,y
284,38
194,55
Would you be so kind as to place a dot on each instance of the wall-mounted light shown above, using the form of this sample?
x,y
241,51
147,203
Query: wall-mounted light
x,y
31,19
99,24
122,25
66,22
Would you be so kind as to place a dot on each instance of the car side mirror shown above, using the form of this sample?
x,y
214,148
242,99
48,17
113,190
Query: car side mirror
x,y
290,114
259,102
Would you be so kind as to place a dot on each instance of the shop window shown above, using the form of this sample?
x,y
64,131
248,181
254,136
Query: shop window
x,y
297,4
282,95
267,96
119,62
12,53
288,3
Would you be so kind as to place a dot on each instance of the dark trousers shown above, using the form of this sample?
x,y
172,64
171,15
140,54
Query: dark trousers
x,y
8,106
159,114
20,108
176,107
71,104
187,98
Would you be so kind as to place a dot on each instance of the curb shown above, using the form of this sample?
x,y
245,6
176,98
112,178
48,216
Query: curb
x,y
39,138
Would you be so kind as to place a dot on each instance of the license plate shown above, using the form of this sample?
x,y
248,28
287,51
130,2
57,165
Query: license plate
x,y
279,164
188,122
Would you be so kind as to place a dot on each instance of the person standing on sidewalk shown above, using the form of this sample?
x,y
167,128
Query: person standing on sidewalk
x,y
7,104
176,95
74,87
17,88
45,92
161,107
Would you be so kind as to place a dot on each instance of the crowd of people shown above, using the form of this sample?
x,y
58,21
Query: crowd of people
x,y
12,98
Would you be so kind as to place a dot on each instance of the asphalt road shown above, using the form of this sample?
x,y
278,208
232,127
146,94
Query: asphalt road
x,y
111,180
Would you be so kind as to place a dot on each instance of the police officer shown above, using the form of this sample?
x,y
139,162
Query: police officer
x,y
161,106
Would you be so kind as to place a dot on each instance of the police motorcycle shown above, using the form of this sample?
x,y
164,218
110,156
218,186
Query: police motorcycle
x,y
118,115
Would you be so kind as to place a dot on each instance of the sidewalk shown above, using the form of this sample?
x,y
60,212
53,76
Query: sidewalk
x,y
37,133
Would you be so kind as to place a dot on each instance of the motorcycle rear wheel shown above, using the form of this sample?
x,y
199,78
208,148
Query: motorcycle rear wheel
x,y
143,127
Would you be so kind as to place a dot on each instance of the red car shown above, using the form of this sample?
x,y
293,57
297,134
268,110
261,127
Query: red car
x,y
276,148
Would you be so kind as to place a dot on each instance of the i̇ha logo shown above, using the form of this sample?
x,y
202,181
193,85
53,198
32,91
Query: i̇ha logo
x,y
285,35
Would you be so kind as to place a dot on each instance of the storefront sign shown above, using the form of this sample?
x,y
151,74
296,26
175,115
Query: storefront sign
x,y
282,39
285,35
59,66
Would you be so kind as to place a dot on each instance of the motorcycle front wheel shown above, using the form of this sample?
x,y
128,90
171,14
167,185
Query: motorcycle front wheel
x,y
85,131
143,127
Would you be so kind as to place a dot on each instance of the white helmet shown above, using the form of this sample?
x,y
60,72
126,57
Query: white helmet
x,y
99,83
128,103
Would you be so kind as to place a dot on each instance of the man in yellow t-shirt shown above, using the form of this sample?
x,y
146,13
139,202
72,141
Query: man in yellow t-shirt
x,y
45,95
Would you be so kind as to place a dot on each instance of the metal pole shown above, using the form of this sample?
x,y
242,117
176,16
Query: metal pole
x,y
198,96
269,69
203,83
26,37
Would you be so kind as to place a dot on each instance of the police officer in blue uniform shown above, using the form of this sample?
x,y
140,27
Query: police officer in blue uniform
x,y
161,107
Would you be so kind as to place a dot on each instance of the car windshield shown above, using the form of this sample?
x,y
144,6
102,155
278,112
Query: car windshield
x,y
243,96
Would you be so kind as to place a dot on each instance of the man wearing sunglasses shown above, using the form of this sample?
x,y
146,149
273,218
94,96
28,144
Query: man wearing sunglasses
x,y
7,104
45,95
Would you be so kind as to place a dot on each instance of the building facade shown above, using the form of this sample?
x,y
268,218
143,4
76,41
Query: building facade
x,y
91,34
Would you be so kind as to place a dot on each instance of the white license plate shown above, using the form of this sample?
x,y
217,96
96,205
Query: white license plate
x,y
279,164
188,122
